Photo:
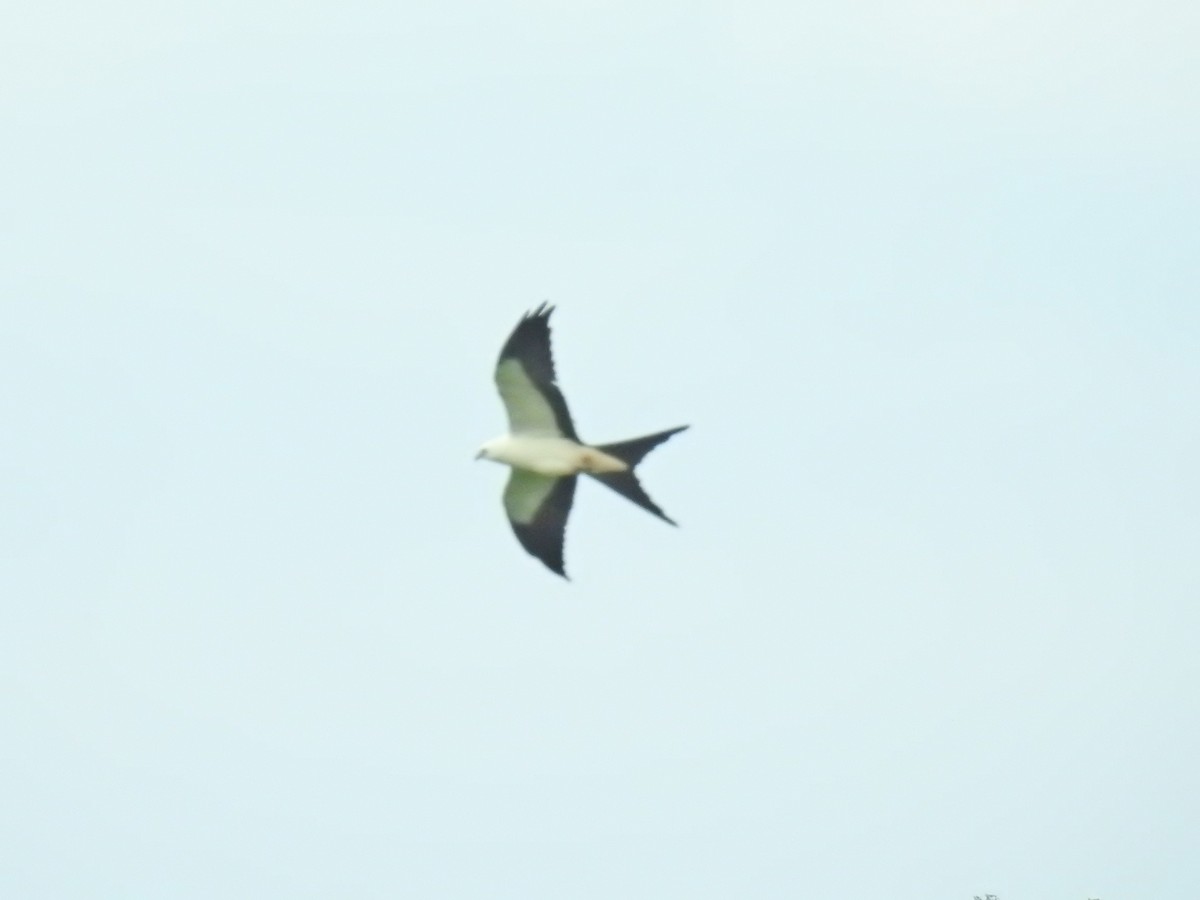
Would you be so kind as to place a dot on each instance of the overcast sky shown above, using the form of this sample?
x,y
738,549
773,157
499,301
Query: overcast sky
x,y
923,276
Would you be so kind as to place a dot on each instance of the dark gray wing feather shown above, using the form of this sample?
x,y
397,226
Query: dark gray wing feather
x,y
531,395
537,508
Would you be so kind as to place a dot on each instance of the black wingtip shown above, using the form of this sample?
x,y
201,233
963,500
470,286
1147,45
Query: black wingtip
x,y
529,345
544,537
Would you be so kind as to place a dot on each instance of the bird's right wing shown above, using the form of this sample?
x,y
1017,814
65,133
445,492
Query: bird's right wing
x,y
537,508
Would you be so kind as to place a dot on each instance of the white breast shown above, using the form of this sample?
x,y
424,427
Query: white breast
x,y
553,456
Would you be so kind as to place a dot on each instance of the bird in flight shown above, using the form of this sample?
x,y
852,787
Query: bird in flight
x,y
543,450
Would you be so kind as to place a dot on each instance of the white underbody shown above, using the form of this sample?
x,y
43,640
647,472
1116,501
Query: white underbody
x,y
553,456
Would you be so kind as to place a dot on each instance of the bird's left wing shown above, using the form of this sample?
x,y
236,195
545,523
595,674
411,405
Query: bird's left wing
x,y
525,378
537,508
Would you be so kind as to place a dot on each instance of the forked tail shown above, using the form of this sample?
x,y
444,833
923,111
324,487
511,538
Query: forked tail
x,y
631,453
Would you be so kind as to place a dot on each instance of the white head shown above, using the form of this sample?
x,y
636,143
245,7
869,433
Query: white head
x,y
488,450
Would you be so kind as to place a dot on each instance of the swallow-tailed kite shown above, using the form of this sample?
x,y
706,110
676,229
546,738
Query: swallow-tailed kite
x,y
544,451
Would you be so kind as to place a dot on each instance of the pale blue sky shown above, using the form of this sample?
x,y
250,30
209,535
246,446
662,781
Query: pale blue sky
x,y
923,276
